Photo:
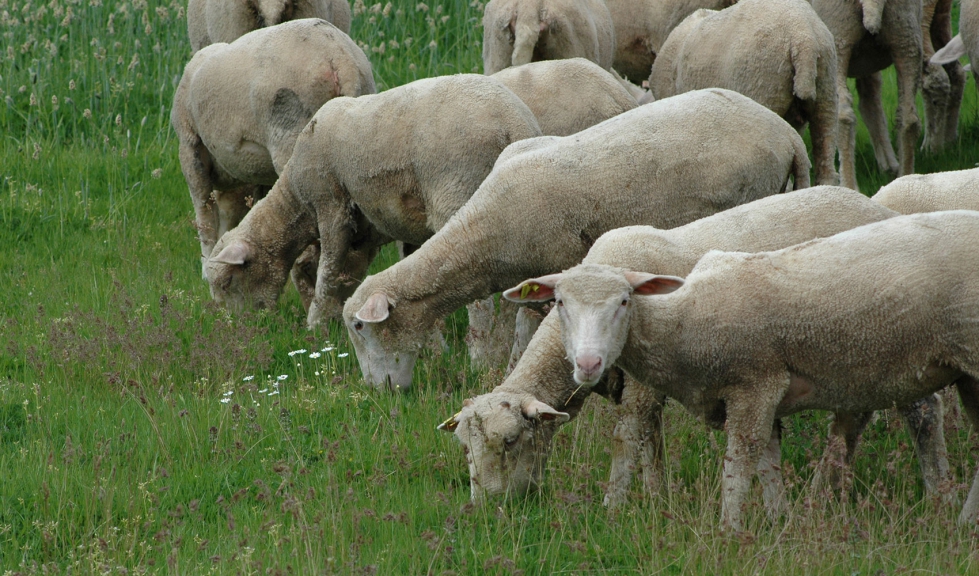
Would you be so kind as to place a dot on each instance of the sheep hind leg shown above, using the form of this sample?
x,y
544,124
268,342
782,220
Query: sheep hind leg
x,y
847,136
869,91
968,387
908,66
924,419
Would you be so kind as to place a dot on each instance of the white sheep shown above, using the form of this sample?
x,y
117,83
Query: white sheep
x,y
966,42
518,32
641,28
213,21
785,59
879,315
870,35
942,83
955,190
543,376
665,163
567,95
239,108
365,171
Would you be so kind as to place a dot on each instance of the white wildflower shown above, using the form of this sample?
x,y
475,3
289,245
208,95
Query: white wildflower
x,y
343,355
315,355
282,376
248,378
300,351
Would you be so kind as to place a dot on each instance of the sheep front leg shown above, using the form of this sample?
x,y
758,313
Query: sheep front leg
x,y
334,245
750,418
195,163
770,474
968,388
638,436
844,434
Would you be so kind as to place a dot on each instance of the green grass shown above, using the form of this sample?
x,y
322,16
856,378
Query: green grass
x,y
145,430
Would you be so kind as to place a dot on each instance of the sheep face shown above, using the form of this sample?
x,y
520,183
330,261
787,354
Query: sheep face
x,y
384,361
506,438
593,306
241,275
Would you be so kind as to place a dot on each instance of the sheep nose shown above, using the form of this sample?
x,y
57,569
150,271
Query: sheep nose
x,y
589,365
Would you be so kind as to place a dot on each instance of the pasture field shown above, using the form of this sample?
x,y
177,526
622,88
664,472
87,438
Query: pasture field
x,y
145,430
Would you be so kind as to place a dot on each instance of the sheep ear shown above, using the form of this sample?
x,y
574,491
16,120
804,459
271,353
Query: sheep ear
x,y
652,284
235,254
951,52
376,309
540,411
533,290
450,424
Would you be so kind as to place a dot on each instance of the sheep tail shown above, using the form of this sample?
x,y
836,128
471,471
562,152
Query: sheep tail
x,y
873,11
800,164
527,29
805,62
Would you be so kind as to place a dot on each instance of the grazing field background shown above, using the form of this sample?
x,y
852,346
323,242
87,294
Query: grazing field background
x,y
145,430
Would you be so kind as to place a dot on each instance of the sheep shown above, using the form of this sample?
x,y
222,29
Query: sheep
x,y
543,375
213,21
942,83
870,35
786,62
966,42
916,193
567,95
365,171
239,108
517,32
665,163
642,27
748,338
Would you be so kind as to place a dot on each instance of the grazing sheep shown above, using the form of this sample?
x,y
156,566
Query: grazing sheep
x,y
870,35
239,108
518,32
567,95
365,171
942,83
966,42
213,21
852,323
916,193
785,61
665,163
641,28
543,375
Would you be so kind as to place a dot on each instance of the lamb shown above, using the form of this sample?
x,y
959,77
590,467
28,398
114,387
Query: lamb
x,y
567,95
543,379
213,21
642,27
239,108
517,32
786,63
365,171
665,163
790,330
916,193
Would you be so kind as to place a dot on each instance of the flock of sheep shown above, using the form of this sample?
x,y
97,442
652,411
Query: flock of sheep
x,y
697,262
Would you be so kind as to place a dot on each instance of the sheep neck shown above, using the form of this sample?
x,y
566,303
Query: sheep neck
x,y
285,221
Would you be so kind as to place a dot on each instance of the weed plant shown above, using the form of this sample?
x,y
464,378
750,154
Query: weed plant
x,y
145,430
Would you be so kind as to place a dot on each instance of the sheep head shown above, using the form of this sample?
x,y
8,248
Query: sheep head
x,y
241,275
593,305
506,438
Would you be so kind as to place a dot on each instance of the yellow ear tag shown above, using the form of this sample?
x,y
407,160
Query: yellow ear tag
x,y
526,288
450,423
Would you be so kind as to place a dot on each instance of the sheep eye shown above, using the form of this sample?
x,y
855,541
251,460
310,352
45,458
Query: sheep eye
x,y
358,325
560,302
625,302
510,442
